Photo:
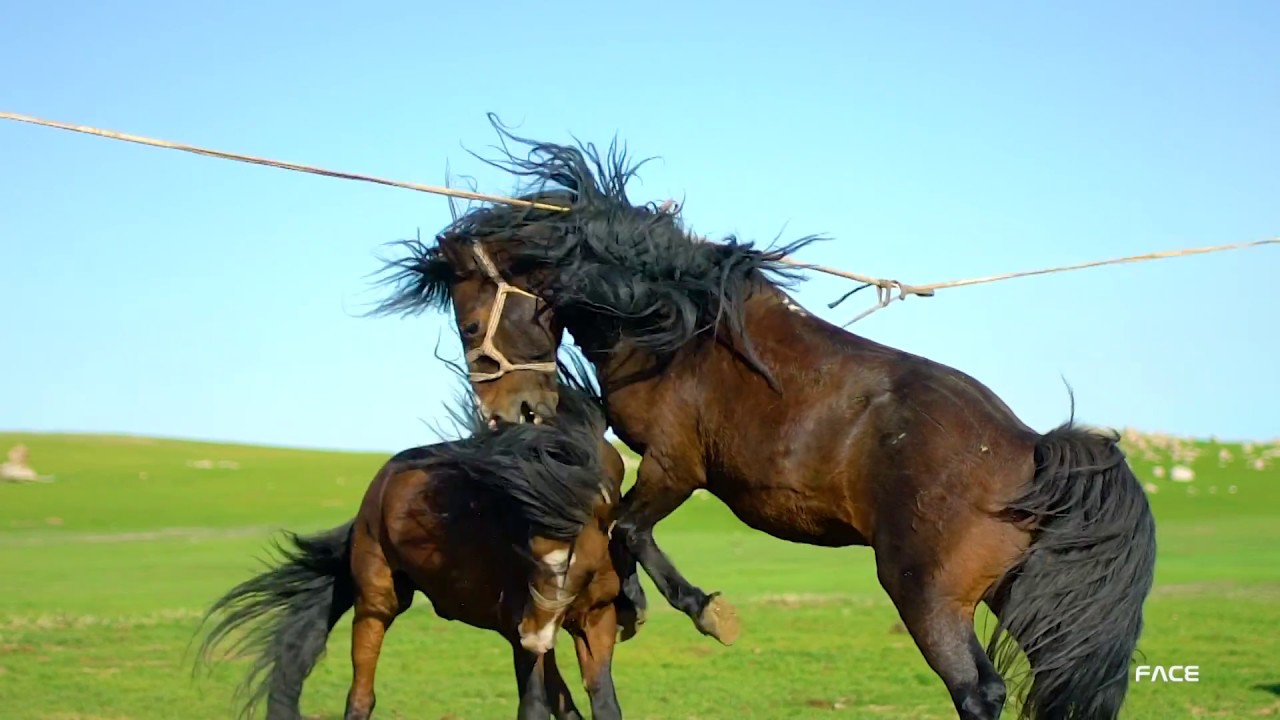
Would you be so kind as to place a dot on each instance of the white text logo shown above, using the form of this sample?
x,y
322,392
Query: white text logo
x,y
1173,673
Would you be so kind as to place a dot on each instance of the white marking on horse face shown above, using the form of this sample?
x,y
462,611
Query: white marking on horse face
x,y
557,561
544,639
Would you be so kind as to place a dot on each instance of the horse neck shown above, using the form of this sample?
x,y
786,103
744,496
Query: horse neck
x,y
773,321
617,364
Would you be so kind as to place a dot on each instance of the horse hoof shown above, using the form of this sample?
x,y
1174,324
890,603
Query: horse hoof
x,y
719,619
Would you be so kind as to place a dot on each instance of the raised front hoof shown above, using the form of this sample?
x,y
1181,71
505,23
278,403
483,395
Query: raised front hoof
x,y
719,619
629,621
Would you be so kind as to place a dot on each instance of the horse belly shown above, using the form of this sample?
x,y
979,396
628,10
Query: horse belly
x,y
787,516
468,600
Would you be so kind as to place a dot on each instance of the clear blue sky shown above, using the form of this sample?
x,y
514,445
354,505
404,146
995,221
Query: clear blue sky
x,y
149,291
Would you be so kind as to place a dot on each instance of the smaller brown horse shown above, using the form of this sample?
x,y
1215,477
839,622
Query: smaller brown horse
x,y
506,531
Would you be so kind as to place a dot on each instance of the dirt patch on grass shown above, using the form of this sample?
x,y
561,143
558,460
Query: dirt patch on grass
x,y
1259,591
195,533
807,600
76,622
82,716
15,648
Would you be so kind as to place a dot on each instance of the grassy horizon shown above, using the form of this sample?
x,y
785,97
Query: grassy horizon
x,y
109,567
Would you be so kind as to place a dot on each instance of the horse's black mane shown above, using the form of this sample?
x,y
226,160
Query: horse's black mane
x,y
420,280
549,476
632,271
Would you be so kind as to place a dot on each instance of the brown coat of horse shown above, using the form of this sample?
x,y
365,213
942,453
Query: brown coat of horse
x,y
816,435
505,531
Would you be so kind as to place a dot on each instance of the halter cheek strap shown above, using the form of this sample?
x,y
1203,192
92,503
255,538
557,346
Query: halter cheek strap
x,y
487,347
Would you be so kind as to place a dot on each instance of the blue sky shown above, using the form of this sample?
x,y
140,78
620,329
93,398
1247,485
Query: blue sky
x,y
149,291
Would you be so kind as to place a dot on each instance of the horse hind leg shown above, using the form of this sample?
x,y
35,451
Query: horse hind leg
x,y
631,604
381,596
937,607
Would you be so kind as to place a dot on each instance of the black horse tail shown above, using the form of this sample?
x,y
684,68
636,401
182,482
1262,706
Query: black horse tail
x,y
1074,602
286,614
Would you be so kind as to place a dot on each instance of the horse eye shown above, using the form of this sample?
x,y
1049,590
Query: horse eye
x,y
470,329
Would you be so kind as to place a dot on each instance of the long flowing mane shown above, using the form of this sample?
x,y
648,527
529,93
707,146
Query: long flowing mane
x,y
632,271
548,476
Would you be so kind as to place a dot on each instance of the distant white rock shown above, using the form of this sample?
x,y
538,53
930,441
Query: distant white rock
x,y
1182,473
18,467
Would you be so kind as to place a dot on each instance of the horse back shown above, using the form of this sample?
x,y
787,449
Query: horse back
x,y
852,430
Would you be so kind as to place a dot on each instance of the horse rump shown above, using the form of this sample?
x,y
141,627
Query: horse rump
x,y
1073,604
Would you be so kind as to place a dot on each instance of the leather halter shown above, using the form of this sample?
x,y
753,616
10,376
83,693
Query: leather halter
x,y
487,348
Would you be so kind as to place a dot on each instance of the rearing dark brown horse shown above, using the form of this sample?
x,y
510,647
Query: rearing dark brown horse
x,y
816,435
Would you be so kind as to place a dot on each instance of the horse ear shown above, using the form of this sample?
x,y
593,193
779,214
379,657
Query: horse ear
x,y
448,250
444,269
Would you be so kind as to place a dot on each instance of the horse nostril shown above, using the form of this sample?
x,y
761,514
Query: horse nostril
x,y
527,414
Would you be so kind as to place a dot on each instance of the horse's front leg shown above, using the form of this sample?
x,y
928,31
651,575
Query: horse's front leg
x,y
657,493
594,642
558,695
531,682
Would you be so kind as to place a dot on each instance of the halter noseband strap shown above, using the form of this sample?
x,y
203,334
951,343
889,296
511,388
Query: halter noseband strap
x,y
487,347
544,603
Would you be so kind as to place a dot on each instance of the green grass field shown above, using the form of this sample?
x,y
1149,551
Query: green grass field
x,y
106,570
